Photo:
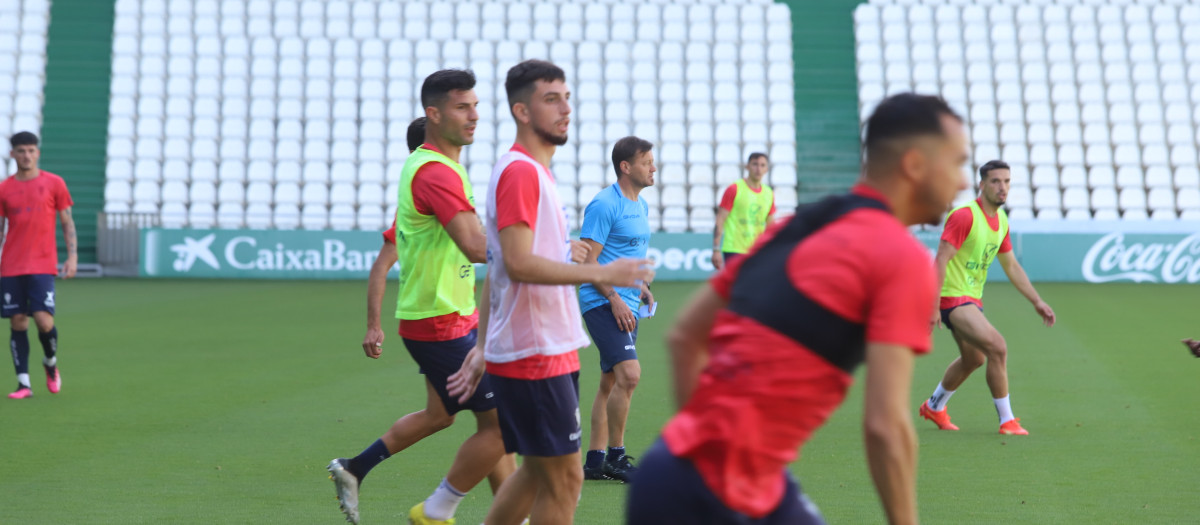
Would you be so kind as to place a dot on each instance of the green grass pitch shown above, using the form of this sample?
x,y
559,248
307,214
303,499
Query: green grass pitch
x,y
222,402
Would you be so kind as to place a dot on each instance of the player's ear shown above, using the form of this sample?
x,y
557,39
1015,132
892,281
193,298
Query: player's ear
x,y
433,114
914,162
520,111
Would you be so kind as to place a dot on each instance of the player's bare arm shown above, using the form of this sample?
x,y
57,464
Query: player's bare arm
x,y
621,312
945,252
516,243
580,251
68,226
888,431
688,341
1016,275
376,285
3,224
465,230
462,384
718,258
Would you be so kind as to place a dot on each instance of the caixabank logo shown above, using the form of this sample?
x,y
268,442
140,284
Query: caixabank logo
x,y
258,254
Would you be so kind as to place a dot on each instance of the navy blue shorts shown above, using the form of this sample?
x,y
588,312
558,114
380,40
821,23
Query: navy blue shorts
x,y
946,314
439,359
669,489
25,294
730,256
615,345
539,417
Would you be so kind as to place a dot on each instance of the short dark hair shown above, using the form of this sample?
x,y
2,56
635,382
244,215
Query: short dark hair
x,y
522,77
628,148
23,138
992,165
903,116
756,155
416,134
437,86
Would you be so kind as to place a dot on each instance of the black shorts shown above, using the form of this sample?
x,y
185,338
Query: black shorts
x,y
539,417
439,360
615,345
946,314
728,257
669,489
25,294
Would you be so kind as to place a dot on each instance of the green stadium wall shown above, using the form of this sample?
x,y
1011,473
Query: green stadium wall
x,y
826,90
75,108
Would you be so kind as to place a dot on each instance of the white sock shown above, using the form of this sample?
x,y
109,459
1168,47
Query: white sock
x,y
23,379
443,502
941,396
50,361
1004,410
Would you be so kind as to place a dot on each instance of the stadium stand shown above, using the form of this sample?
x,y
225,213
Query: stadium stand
x,y
23,28
1095,104
292,113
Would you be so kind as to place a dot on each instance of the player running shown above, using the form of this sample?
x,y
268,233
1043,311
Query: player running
x,y
533,329
976,233
764,355
746,208
615,225
439,237
30,200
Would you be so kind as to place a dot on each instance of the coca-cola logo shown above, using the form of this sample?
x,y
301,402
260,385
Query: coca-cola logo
x,y
1112,259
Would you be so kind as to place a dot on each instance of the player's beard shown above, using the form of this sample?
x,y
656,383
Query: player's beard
x,y
557,140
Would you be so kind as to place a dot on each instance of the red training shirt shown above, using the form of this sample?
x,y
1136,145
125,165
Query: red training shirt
x,y
437,190
517,195
731,193
31,208
958,227
763,393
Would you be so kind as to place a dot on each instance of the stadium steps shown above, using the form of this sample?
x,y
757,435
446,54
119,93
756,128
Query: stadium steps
x,y
827,147
75,108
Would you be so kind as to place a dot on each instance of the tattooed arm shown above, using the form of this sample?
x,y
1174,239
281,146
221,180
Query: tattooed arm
x,y
68,226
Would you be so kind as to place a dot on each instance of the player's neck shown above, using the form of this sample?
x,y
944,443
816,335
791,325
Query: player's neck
x,y
629,189
898,197
988,208
538,148
28,174
447,148
753,184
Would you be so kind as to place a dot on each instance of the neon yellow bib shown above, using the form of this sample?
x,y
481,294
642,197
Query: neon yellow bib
x,y
436,278
967,271
748,218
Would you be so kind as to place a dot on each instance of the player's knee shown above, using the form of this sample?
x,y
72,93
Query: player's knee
x,y
19,322
44,322
570,480
629,379
972,362
997,348
438,422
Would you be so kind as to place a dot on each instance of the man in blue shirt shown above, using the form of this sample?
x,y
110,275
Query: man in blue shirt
x,y
616,225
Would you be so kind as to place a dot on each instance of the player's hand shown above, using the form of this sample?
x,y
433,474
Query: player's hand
x,y
1046,312
462,384
626,320
647,295
936,322
579,251
626,273
1193,345
718,259
69,268
373,343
